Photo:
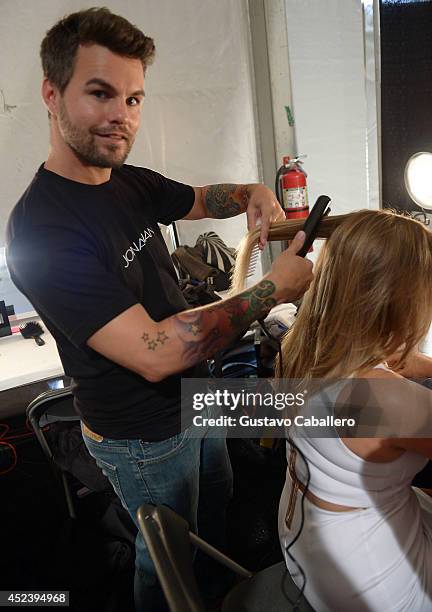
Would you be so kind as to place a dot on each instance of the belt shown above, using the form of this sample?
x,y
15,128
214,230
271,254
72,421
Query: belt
x,y
91,434
295,486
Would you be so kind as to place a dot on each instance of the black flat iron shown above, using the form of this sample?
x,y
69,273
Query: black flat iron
x,y
319,211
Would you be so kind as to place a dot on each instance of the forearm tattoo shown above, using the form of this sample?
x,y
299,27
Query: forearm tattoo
x,y
155,341
205,331
226,200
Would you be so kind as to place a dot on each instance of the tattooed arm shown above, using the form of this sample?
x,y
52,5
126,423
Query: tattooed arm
x,y
157,349
228,200
221,201
203,331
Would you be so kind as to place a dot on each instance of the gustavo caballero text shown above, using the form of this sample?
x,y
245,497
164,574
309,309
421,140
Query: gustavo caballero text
x,y
200,420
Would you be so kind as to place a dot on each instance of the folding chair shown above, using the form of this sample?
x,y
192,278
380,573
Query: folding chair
x,y
169,542
51,407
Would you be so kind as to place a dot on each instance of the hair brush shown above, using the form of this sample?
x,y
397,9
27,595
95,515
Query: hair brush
x,y
32,329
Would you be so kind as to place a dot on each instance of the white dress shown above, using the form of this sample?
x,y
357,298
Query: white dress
x,y
376,559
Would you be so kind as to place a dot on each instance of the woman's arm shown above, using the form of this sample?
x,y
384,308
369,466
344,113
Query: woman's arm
x,y
405,409
418,365
423,446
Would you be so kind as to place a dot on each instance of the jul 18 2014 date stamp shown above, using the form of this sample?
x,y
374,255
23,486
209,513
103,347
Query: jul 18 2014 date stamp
x,y
33,598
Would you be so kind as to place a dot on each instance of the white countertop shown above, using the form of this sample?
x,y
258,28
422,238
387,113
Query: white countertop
x,y
23,361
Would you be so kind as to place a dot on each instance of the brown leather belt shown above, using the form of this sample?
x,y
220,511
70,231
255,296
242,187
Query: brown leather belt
x,y
91,434
295,486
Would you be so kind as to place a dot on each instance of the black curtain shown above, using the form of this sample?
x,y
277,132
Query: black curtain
x,y
406,94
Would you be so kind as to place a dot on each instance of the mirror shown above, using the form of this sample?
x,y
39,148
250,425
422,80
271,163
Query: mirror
x,y
418,179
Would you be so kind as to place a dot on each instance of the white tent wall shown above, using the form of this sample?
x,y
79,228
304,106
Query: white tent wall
x,y
327,62
199,122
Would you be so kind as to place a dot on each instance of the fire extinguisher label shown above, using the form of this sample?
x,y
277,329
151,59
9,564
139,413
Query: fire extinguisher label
x,y
295,197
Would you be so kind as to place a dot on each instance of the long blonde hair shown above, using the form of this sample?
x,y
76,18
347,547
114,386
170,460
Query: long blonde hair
x,y
371,295
283,230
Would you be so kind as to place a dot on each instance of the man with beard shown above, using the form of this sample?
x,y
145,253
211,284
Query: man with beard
x,y
84,245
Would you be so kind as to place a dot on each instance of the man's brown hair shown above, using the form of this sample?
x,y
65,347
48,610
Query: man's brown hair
x,y
91,26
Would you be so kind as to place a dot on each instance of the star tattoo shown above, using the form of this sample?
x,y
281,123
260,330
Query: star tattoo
x,y
194,329
162,337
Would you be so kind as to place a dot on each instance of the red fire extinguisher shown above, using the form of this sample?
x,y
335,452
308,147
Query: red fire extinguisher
x,y
291,188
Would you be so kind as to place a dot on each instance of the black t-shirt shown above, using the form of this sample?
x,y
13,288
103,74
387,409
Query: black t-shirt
x,y
83,254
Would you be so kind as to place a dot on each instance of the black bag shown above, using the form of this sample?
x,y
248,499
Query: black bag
x,y
210,261
71,454
216,253
198,294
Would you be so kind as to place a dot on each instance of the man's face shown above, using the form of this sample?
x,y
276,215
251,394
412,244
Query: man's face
x,y
99,112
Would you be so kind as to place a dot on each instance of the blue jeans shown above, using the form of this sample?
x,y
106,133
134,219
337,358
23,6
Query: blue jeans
x,y
192,476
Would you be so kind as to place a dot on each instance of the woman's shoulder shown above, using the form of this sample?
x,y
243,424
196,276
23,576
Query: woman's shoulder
x,y
395,410
394,405
381,371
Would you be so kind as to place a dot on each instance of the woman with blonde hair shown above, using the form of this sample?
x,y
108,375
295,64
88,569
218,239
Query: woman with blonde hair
x,y
366,543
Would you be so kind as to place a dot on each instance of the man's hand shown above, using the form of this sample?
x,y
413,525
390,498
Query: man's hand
x,y
290,273
263,205
226,200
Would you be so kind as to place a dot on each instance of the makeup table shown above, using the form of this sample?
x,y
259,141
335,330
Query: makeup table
x,y
26,369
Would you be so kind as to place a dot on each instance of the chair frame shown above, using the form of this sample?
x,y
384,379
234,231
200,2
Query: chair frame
x,y
169,542
36,410
179,584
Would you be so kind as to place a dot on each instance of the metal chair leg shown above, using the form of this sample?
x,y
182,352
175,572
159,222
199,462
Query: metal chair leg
x,y
68,495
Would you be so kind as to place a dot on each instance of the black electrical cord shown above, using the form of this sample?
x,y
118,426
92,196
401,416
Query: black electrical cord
x,y
304,491
274,340
302,521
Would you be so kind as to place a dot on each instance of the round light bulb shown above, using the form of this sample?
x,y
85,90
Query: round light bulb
x,y
418,179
